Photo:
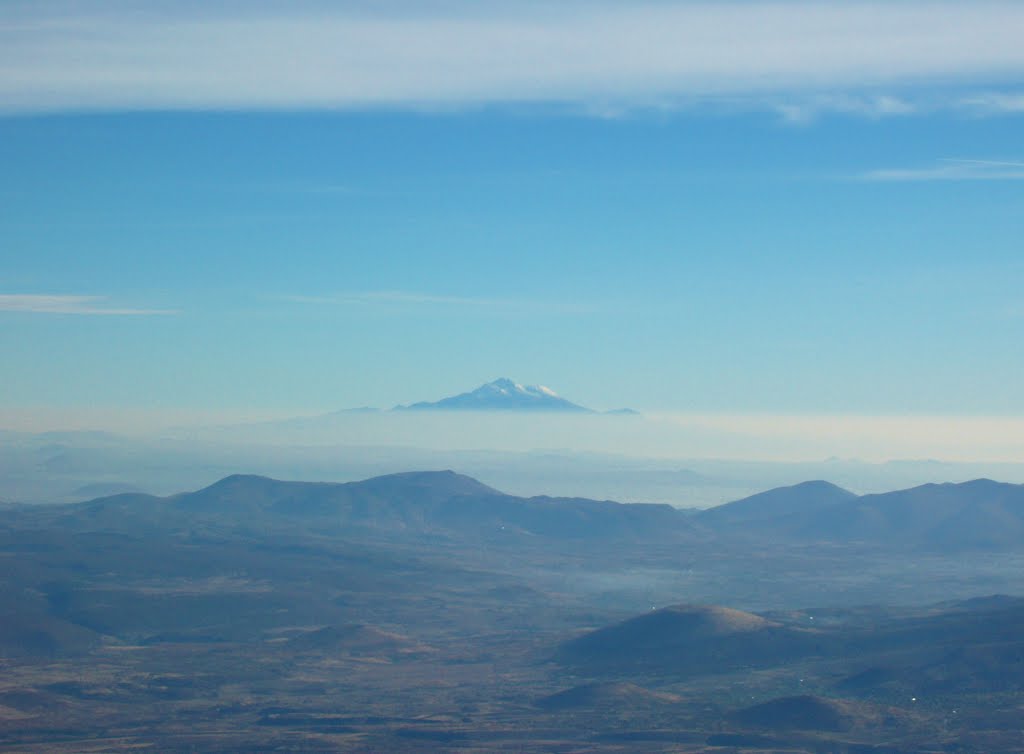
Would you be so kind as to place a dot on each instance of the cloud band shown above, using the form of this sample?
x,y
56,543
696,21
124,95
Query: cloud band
x,y
593,54
53,304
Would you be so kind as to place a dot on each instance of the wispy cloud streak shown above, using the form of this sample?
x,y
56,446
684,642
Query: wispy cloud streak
x,y
994,102
808,109
412,299
601,55
953,170
59,304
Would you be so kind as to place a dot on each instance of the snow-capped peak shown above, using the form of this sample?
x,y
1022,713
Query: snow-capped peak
x,y
506,386
502,395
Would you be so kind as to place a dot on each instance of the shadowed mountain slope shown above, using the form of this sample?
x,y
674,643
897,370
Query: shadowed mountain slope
x,y
980,513
970,515
34,632
974,515
807,712
973,645
413,504
806,497
975,667
354,499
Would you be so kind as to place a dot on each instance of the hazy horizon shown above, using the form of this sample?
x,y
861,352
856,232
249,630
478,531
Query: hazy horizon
x,y
757,437
781,231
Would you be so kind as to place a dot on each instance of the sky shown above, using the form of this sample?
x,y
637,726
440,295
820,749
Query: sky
x,y
733,209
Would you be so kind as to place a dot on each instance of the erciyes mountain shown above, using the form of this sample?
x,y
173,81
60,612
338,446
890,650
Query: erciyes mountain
x,y
504,394
501,395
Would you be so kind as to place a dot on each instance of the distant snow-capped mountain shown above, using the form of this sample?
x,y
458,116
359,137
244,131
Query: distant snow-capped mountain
x,y
502,395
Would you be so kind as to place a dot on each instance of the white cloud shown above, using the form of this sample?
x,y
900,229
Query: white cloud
x,y
55,304
953,170
880,106
602,56
394,297
994,102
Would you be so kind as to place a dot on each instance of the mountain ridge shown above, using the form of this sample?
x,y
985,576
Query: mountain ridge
x,y
953,516
406,504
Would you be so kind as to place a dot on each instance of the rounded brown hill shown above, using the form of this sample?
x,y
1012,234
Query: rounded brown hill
x,y
694,638
670,627
617,695
808,712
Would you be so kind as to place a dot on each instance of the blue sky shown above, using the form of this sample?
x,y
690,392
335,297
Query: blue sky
x,y
819,215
